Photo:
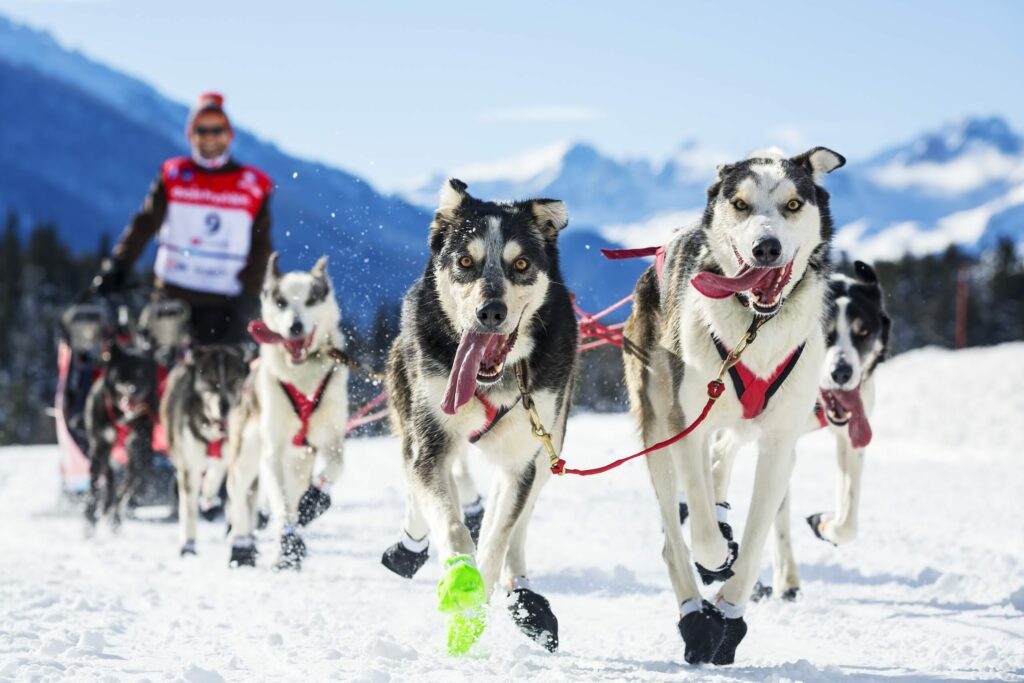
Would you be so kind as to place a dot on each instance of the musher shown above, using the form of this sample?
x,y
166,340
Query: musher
x,y
213,218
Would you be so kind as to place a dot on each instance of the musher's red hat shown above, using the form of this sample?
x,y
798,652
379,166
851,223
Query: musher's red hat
x,y
208,102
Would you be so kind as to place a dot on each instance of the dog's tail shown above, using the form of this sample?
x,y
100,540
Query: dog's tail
x,y
639,339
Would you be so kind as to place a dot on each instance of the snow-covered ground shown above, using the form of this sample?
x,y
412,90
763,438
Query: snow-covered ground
x,y
932,590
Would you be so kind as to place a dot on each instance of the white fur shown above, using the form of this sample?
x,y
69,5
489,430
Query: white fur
x,y
284,470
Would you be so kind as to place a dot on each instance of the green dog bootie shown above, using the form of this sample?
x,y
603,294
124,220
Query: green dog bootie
x,y
460,595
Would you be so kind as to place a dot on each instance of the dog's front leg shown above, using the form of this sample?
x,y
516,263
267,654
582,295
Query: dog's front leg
x,y
189,460
724,447
771,480
243,470
99,468
841,526
139,447
712,551
296,471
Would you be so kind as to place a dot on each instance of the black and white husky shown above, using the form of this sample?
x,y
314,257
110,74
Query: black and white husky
x,y
760,253
194,413
120,405
857,337
489,307
294,408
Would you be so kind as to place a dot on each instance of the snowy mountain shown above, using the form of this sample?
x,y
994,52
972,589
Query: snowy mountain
x,y
80,143
963,184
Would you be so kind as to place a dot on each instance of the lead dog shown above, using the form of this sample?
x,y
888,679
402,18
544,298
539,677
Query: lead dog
x,y
294,408
759,255
194,412
489,306
857,332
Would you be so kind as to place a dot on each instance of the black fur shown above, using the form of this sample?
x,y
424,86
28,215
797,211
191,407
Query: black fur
x,y
867,306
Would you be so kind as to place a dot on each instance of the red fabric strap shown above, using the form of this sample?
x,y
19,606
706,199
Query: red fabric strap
x,y
305,406
657,252
752,391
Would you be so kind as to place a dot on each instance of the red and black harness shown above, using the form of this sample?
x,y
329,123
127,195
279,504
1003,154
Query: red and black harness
x,y
752,391
304,406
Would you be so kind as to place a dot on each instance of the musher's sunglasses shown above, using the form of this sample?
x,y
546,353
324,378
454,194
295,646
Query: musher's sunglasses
x,y
203,131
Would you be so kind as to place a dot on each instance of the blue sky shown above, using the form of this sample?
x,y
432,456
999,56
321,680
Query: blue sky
x,y
394,90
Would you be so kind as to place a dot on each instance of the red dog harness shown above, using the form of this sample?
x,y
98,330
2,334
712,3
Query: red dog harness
x,y
492,413
304,406
752,391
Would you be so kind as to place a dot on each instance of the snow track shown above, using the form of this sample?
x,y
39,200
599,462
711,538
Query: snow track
x,y
932,590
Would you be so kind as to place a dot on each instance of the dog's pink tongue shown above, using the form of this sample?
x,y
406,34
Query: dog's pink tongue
x,y
860,428
720,286
462,380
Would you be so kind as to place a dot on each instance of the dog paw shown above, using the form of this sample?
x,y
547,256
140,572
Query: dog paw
x,y
213,511
262,520
532,613
293,551
403,561
474,519
817,524
243,556
732,636
461,595
188,549
760,592
702,630
314,502
791,594
709,576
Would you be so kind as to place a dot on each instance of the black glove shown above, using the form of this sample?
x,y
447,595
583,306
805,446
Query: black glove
x,y
111,277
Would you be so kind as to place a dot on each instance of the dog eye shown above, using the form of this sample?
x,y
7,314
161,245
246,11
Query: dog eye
x,y
466,261
740,205
521,264
794,204
862,332
281,303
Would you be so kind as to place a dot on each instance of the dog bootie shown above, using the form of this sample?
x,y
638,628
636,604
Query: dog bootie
x,y
473,515
817,523
314,502
212,510
293,550
760,592
732,635
702,627
188,549
684,512
461,595
243,553
406,557
532,613
724,572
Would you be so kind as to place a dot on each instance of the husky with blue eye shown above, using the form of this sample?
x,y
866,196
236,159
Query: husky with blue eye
x,y
490,311
755,268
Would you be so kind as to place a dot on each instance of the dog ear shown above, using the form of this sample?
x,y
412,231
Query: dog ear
x,y
552,216
865,273
273,267
320,268
453,193
721,171
819,160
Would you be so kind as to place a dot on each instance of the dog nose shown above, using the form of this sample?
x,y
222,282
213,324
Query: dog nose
x,y
842,373
492,313
767,251
296,329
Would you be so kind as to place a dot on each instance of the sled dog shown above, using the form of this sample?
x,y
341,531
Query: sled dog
x,y
489,312
294,408
752,274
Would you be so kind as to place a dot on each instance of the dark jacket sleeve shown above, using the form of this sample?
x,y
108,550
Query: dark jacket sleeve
x,y
143,225
259,253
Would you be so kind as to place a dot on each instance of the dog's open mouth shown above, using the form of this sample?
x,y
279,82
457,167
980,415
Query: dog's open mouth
x,y
480,359
298,347
764,284
845,408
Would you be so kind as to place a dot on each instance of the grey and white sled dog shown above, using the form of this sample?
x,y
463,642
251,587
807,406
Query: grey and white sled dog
x,y
194,413
760,255
857,330
489,310
293,409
